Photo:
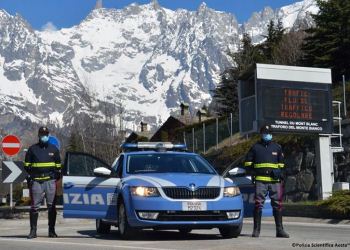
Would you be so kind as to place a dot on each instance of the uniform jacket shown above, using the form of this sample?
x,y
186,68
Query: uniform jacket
x,y
266,161
42,161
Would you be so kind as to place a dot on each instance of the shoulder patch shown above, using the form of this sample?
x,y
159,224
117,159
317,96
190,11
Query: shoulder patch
x,y
274,153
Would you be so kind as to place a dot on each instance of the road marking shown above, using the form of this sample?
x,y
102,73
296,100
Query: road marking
x,y
305,224
83,244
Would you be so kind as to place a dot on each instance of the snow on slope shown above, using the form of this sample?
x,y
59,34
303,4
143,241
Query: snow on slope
x,y
145,57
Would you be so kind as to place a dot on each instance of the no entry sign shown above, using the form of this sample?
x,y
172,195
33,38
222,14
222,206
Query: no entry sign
x,y
10,145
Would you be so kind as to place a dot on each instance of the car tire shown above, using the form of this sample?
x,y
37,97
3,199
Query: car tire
x,y
229,232
185,230
125,230
102,227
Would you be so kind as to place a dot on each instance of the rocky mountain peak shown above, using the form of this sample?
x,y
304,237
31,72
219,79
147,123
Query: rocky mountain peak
x,y
145,58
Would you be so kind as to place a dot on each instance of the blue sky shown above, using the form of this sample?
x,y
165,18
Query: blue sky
x,y
66,13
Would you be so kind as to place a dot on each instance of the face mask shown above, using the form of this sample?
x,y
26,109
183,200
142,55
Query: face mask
x,y
267,137
44,139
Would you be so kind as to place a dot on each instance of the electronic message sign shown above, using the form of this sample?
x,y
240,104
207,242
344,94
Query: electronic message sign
x,y
295,107
289,99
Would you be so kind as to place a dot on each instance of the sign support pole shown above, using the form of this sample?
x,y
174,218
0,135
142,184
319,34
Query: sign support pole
x,y
11,195
325,175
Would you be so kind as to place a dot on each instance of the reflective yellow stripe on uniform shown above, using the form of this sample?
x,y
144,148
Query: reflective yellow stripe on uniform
x,y
44,164
27,164
42,178
266,165
281,165
58,165
265,178
248,163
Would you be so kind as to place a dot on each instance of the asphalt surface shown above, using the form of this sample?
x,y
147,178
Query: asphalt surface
x,y
80,234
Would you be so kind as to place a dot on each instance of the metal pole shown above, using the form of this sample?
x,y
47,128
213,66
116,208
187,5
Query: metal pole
x,y
217,132
231,129
11,197
203,137
344,96
192,139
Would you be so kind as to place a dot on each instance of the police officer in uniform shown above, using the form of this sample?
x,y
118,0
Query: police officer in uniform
x,y
265,162
43,164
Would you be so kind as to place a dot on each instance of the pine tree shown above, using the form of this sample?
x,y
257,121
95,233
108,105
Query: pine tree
x,y
225,96
328,44
274,37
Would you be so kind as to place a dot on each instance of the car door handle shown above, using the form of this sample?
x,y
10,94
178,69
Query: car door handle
x,y
68,185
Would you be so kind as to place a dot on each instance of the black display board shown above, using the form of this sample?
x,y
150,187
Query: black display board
x,y
297,107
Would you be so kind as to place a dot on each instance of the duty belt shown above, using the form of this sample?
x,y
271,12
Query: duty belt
x,y
263,171
41,177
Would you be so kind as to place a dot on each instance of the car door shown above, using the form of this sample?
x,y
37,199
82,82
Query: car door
x,y
86,195
247,189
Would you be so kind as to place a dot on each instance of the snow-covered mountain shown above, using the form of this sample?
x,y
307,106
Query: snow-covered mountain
x,y
144,58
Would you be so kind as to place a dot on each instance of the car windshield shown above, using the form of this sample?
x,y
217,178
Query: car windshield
x,y
167,163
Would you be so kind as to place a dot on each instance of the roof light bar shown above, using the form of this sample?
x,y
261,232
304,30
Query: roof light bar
x,y
153,145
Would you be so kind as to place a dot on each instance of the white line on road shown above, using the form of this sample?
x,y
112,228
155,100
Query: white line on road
x,y
305,224
83,244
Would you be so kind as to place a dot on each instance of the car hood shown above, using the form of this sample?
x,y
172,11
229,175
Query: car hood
x,y
177,179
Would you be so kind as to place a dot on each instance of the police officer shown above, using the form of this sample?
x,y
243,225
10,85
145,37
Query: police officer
x,y
265,162
43,164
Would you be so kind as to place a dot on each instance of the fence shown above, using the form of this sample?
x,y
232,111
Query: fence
x,y
200,137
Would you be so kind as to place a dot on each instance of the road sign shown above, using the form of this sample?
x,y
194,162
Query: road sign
x,y
13,172
10,145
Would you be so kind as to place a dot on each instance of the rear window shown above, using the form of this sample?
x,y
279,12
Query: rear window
x,y
167,163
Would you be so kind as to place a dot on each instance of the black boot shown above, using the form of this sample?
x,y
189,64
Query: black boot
x,y
280,233
33,217
257,223
52,222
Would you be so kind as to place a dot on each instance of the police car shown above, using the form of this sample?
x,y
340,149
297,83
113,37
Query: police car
x,y
151,185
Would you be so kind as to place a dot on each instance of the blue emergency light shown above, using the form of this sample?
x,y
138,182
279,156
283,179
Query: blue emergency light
x,y
158,146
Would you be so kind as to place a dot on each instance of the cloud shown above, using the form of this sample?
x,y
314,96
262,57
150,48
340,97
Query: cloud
x,y
49,26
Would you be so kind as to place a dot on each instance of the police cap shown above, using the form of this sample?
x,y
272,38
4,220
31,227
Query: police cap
x,y
43,131
266,129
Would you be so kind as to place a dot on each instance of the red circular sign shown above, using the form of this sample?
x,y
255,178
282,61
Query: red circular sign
x,y
10,145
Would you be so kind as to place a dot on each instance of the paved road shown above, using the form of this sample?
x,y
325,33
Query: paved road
x,y
80,234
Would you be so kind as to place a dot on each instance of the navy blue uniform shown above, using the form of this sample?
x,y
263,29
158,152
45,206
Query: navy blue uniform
x,y
265,161
43,164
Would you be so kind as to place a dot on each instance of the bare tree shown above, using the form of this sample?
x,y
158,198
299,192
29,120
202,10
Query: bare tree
x,y
288,51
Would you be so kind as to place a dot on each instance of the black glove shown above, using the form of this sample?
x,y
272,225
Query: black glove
x,y
277,174
29,181
57,175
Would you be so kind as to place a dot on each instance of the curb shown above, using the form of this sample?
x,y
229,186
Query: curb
x,y
22,212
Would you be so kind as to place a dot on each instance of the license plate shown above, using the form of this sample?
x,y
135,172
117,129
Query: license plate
x,y
194,206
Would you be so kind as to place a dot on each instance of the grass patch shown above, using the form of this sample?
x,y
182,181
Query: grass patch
x,y
338,204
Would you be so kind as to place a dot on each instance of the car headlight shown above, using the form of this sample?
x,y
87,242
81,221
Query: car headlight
x,y
231,191
144,191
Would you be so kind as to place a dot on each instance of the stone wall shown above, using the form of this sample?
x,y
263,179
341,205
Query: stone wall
x,y
301,181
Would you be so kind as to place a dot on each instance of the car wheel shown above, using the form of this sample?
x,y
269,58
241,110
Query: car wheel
x,y
125,230
102,227
185,230
230,231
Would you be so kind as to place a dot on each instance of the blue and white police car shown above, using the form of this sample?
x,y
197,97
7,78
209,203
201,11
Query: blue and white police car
x,y
151,185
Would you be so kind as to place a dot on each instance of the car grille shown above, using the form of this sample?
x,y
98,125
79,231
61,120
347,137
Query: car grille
x,y
192,216
185,193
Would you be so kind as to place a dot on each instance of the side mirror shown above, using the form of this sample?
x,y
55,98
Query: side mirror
x,y
102,172
237,172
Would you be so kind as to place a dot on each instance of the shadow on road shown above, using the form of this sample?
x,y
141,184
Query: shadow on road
x,y
151,235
